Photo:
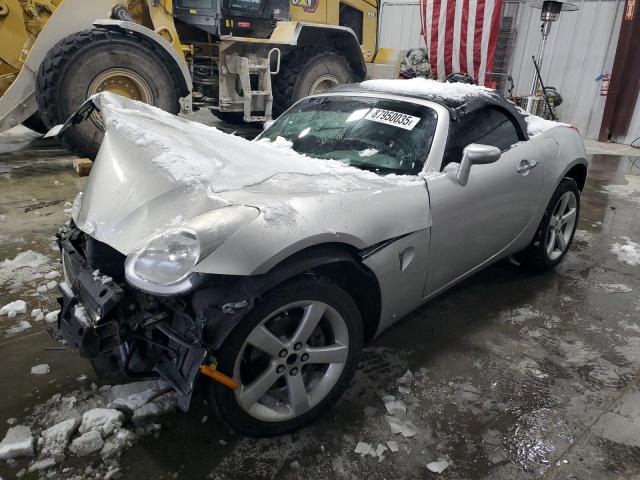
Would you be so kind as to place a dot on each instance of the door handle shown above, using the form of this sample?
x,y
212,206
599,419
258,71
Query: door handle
x,y
526,166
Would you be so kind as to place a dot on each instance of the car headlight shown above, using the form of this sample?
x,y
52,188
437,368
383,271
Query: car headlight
x,y
165,259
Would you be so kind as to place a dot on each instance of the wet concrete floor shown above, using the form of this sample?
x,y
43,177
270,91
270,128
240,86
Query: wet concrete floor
x,y
516,376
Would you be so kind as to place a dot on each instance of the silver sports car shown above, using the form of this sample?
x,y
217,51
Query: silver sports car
x,y
260,269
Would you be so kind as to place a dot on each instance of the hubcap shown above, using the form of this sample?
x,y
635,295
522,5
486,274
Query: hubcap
x,y
323,83
121,81
561,224
274,386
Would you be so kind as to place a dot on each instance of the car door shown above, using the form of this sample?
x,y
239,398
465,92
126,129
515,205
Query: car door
x,y
474,223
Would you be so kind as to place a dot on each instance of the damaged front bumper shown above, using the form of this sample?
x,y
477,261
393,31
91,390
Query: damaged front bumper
x,y
103,316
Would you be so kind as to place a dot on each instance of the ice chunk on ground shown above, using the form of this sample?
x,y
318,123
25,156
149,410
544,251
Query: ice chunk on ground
x,y
56,438
628,253
395,407
21,327
52,284
117,442
52,316
615,287
19,270
162,405
104,420
362,448
42,464
393,445
37,314
42,289
19,306
406,378
295,465
438,466
380,449
12,421
18,442
406,428
86,444
41,369
131,396
52,275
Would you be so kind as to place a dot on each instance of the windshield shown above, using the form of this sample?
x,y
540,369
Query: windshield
x,y
385,136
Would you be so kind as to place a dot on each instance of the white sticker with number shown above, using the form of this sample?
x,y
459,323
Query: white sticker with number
x,y
389,117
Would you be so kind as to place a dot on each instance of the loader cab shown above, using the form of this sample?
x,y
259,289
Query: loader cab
x,y
241,18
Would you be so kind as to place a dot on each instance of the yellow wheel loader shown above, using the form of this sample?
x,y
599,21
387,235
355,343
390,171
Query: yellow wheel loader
x,y
242,59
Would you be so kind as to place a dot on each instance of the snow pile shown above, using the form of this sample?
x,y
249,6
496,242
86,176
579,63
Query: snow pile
x,y
615,288
25,267
102,421
41,369
629,252
13,308
20,327
423,86
18,442
629,192
438,466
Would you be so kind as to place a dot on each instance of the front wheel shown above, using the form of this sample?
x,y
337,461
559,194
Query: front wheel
x,y
293,356
555,233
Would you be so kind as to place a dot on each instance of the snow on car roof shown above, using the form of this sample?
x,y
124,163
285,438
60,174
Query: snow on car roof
x,y
458,98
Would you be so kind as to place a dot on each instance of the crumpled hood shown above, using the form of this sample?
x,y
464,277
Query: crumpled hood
x,y
155,171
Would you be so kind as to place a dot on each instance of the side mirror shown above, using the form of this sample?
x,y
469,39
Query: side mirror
x,y
475,154
267,124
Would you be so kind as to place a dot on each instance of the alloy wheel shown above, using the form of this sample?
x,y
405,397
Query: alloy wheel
x,y
291,361
561,225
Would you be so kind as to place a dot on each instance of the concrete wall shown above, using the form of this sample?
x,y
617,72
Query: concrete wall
x,y
581,46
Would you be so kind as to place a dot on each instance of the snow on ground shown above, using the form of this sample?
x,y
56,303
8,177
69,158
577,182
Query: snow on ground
x,y
615,288
41,369
26,267
629,252
99,424
13,308
629,192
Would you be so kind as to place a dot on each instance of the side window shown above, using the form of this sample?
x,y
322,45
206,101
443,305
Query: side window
x,y
488,126
352,18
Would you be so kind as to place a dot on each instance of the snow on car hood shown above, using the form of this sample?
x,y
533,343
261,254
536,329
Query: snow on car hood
x,y
155,170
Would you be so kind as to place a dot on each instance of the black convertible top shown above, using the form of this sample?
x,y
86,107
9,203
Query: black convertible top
x,y
458,105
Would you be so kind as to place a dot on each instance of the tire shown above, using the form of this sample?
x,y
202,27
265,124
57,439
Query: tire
x,y
232,118
35,123
537,256
69,72
300,72
245,362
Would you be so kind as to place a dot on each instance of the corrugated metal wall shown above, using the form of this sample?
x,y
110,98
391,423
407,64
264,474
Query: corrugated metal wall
x,y
581,46
400,25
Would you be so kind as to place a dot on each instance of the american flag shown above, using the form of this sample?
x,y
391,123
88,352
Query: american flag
x,y
461,36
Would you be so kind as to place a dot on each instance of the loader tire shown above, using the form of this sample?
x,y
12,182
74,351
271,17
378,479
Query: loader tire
x,y
308,71
85,63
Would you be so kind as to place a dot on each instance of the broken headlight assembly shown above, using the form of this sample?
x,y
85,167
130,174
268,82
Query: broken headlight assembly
x,y
163,264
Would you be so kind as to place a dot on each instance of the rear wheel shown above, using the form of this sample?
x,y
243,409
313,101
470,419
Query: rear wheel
x,y
95,61
293,355
308,71
555,233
